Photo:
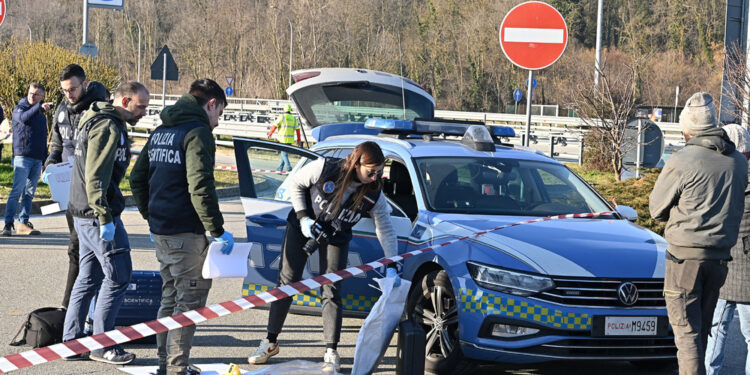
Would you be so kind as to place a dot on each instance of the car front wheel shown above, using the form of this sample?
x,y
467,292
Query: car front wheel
x,y
432,305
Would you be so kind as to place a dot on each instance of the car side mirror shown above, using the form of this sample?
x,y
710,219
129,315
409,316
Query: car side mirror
x,y
627,212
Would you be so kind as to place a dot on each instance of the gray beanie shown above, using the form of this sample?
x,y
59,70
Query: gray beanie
x,y
739,136
699,114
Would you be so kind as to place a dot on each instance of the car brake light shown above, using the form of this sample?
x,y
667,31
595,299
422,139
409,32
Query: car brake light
x,y
304,75
414,83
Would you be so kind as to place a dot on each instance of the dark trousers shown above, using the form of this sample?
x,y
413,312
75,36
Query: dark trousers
x,y
691,289
73,255
293,260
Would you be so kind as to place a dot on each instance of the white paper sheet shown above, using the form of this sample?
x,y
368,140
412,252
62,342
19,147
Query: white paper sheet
x,y
207,369
59,182
218,265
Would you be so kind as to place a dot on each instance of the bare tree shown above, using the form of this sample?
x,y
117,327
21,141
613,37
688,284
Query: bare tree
x,y
738,82
607,108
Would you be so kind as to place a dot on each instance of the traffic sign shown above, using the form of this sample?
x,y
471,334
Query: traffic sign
x,y
533,35
229,91
517,95
157,68
89,49
2,11
533,83
230,80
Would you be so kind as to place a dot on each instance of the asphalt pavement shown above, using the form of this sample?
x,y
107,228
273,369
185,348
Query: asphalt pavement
x,y
33,273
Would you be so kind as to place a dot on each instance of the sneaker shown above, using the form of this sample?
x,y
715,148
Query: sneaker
x,y
114,355
78,357
192,370
8,230
332,357
265,350
27,229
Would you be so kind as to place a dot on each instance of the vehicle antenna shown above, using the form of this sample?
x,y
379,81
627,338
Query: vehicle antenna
x,y
401,74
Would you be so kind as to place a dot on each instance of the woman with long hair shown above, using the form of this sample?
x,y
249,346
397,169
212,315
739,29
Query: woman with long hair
x,y
329,195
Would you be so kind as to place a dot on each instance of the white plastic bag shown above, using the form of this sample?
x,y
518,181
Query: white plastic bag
x,y
376,332
297,367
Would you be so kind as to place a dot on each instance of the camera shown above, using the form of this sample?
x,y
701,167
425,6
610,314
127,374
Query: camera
x,y
322,233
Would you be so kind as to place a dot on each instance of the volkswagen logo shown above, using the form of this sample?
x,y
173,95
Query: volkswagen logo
x,y
627,293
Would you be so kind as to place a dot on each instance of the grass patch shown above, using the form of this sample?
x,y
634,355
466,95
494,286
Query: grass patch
x,y
632,192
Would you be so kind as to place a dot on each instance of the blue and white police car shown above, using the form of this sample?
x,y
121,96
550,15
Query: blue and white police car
x,y
569,289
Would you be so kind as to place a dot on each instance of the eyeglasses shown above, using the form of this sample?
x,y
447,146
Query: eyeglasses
x,y
72,89
36,93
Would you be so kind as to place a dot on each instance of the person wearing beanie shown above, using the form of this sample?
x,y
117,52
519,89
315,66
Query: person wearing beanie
x,y
735,294
700,194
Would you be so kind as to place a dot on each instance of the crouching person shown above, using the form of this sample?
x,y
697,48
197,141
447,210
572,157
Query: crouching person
x,y
102,155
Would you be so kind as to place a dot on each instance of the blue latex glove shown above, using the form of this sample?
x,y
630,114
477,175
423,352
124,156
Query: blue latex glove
x,y
306,226
45,177
391,272
152,236
228,240
107,232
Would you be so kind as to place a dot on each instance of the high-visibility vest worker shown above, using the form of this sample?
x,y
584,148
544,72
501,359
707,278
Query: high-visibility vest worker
x,y
287,125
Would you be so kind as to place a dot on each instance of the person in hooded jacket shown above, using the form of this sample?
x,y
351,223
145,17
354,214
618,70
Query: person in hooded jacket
x,y
102,157
174,188
735,294
79,94
700,193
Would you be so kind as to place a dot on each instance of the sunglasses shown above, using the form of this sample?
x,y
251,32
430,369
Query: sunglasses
x,y
372,174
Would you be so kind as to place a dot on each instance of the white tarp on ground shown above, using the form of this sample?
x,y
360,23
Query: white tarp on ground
x,y
207,369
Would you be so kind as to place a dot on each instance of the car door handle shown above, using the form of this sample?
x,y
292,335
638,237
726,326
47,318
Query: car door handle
x,y
267,220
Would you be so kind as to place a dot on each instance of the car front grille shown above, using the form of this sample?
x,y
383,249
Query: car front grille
x,y
625,348
596,292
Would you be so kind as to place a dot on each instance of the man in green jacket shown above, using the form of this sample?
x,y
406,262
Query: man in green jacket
x,y
173,186
700,193
102,155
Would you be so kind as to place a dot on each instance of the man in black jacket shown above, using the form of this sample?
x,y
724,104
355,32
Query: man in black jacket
x,y
79,94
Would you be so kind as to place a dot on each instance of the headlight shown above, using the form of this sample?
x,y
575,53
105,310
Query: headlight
x,y
506,281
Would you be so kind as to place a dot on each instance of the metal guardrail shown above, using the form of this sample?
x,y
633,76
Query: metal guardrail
x,y
249,117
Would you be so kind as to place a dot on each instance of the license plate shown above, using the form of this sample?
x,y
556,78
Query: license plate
x,y
630,326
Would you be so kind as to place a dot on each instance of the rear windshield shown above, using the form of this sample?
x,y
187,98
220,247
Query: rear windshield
x,y
358,101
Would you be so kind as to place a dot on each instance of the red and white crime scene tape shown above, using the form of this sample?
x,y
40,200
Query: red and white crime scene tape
x,y
117,336
232,168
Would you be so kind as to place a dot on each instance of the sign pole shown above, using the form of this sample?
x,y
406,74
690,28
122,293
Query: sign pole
x,y
528,107
164,84
85,21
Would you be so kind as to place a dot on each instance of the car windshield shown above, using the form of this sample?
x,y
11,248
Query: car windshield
x,y
359,101
496,186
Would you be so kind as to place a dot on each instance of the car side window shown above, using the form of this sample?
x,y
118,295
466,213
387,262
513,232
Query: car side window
x,y
399,188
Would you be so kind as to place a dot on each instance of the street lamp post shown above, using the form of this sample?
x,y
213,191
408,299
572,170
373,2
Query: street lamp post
x,y
139,43
291,40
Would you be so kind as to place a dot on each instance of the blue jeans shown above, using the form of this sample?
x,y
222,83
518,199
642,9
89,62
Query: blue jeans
x,y
719,331
284,162
25,177
104,267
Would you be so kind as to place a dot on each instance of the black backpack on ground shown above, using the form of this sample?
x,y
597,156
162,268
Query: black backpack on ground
x,y
43,327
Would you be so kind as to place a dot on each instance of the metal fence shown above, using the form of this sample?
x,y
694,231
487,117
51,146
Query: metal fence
x,y
560,137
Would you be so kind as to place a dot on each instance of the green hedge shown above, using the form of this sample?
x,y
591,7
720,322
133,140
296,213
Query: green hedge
x,y
23,63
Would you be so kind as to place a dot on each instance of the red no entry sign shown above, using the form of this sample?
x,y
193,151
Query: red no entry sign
x,y
533,35
2,11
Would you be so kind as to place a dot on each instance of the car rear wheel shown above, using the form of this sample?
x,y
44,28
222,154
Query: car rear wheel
x,y
432,305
